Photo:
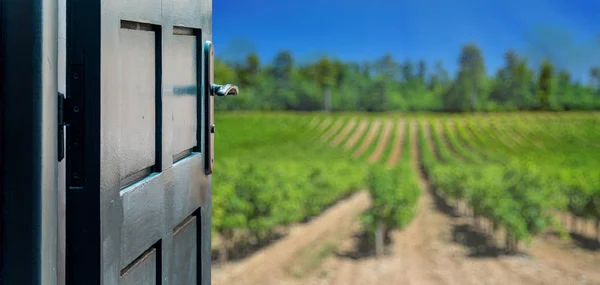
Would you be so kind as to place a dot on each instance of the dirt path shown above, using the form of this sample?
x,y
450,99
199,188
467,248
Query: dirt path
x,y
382,143
371,135
268,265
344,133
362,127
398,143
331,131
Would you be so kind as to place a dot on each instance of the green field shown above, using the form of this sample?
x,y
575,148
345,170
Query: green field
x,y
515,172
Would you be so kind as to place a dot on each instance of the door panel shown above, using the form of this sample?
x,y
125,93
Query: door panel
x,y
139,208
183,62
136,101
143,212
184,265
142,271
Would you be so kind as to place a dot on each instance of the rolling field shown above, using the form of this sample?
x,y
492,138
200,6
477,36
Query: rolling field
x,y
457,199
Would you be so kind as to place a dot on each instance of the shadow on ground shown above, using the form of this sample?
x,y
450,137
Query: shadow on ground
x,y
580,241
364,247
443,206
479,244
585,242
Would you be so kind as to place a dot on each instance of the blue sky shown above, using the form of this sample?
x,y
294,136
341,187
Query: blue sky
x,y
566,31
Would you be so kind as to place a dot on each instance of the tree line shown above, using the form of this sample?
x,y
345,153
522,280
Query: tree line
x,y
386,84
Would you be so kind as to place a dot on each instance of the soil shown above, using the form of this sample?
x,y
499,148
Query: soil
x,y
438,247
397,147
333,130
383,141
362,127
371,135
344,133
324,124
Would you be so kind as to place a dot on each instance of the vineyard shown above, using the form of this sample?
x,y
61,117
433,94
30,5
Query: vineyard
x,y
292,188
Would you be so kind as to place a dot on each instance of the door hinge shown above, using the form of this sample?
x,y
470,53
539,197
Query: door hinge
x,y
63,121
61,126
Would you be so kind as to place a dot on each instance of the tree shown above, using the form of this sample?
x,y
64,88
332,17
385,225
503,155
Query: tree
x,y
408,71
283,65
247,72
386,84
421,71
595,77
326,75
564,90
386,71
544,83
386,67
225,73
341,71
440,77
471,73
525,85
505,79
281,73
512,82
252,63
468,87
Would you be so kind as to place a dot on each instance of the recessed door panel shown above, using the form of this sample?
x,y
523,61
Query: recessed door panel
x,y
137,101
185,91
185,261
142,271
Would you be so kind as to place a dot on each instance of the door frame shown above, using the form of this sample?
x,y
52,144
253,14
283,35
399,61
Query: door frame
x,y
28,172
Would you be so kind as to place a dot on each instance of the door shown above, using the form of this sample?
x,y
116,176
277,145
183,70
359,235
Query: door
x,y
28,142
139,141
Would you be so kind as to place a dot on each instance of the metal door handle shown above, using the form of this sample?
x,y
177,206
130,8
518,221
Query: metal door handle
x,y
210,90
224,90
